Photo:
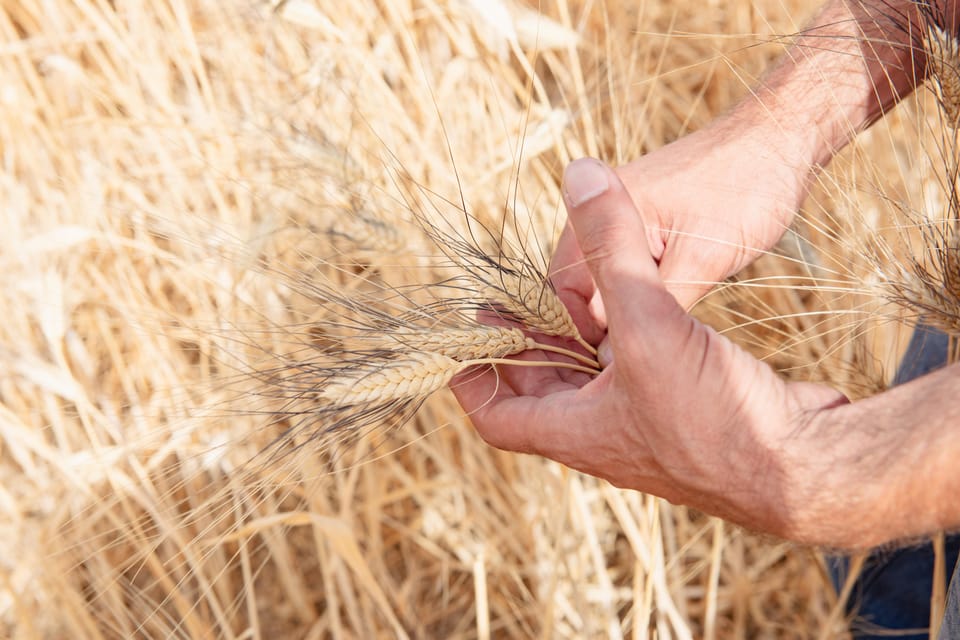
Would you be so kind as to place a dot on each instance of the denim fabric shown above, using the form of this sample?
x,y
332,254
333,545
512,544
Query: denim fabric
x,y
950,629
891,598
926,352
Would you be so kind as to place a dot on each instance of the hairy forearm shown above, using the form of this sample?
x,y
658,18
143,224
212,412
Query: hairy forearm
x,y
853,62
886,468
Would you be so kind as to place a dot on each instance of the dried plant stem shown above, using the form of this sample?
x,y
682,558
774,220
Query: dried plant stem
x,y
586,345
533,363
590,362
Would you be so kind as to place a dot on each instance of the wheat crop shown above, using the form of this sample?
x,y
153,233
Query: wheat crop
x,y
246,242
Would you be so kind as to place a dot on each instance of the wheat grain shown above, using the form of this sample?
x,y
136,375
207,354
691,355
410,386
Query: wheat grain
x,y
386,376
943,68
930,288
537,307
505,276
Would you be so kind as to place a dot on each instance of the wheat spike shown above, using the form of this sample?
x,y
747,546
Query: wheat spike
x,y
933,291
467,344
943,57
368,233
414,375
511,285
536,305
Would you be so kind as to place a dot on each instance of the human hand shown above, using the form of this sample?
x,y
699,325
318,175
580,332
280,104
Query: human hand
x,y
680,412
707,212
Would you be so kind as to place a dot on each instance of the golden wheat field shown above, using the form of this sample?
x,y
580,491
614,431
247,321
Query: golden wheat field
x,y
214,214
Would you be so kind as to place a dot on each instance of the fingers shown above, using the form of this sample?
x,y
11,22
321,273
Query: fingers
x,y
612,239
574,285
497,412
505,404
605,353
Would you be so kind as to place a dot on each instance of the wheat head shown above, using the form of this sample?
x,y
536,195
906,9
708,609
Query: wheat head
x,y
411,376
464,344
943,68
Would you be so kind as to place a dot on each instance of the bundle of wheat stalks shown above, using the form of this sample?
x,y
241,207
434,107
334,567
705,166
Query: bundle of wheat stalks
x,y
246,245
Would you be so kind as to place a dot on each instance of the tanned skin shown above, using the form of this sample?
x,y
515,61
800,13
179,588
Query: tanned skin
x,y
681,412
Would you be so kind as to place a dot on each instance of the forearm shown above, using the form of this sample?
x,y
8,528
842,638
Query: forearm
x,y
855,61
886,468
851,64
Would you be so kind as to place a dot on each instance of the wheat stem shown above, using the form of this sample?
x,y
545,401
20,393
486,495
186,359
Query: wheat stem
x,y
586,345
532,363
590,362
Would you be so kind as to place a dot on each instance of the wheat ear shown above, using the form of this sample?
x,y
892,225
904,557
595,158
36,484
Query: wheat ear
x,y
536,305
415,375
509,282
942,50
477,343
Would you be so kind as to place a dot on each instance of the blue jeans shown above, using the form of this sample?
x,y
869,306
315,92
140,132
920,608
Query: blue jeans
x,y
891,597
950,629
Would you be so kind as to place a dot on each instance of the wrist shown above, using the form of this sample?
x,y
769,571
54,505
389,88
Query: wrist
x,y
886,466
821,497
817,98
867,473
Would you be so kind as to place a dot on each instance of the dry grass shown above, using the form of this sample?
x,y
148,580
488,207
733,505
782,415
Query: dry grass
x,y
216,213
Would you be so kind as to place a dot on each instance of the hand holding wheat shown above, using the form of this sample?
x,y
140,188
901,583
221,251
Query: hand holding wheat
x,y
706,215
681,412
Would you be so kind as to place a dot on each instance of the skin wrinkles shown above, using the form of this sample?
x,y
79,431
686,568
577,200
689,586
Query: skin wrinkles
x,y
680,411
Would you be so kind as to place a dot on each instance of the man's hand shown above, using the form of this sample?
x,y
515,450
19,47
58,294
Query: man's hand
x,y
680,412
716,199
705,213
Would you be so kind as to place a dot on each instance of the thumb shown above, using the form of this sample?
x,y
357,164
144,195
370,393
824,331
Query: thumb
x,y
613,241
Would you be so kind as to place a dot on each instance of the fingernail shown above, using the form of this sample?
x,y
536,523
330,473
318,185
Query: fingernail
x,y
605,354
584,180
